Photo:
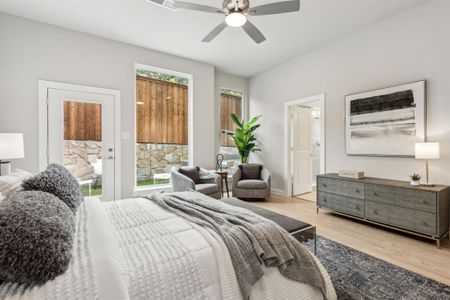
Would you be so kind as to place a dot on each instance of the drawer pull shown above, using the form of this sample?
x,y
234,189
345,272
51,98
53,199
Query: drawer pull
x,y
324,185
374,194
357,207
325,199
424,223
375,211
423,201
356,191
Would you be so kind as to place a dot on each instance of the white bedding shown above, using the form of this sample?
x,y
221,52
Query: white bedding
x,y
133,249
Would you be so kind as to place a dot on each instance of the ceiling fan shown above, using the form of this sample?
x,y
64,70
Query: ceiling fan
x,y
236,14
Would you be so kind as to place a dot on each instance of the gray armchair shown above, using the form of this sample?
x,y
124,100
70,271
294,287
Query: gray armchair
x,y
196,179
252,181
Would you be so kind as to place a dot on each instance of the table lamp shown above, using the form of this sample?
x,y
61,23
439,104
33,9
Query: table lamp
x,y
11,147
427,151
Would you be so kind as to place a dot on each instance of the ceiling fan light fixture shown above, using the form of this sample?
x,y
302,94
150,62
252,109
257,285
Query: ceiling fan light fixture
x,y
236,19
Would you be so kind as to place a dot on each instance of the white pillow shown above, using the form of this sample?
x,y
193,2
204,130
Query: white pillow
x,y
1,197
12,182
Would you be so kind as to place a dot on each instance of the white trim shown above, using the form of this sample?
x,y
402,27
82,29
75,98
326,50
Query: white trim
x,y
44,86
287,133
140,191
278,192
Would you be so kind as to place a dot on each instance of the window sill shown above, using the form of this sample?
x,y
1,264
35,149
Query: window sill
x,y
142,191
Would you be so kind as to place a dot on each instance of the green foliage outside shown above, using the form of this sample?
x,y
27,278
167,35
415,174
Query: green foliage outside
x,y
162,76
97,190
231,93
151,182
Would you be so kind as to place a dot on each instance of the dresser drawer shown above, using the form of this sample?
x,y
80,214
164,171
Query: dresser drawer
x,y
414,220
341,187
343,204
403,197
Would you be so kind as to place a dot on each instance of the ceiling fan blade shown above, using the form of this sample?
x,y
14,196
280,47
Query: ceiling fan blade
x,y
253,32
215,32
197,7
275,8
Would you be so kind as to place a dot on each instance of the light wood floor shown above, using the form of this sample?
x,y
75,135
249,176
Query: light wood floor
x,y
412,253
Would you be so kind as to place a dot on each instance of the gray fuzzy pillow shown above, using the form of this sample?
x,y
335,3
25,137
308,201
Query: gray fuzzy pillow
x,y
36,238
191,172
58,181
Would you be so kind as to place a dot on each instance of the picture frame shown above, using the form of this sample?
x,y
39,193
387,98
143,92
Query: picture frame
x,y
387,121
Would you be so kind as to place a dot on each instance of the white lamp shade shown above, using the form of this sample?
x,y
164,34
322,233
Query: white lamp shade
x,y
427,151
11,146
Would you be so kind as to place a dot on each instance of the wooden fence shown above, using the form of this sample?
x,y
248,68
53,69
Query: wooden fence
x,y
161,115
162,112
82,121
228,104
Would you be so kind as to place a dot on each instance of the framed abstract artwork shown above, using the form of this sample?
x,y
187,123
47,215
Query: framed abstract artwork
x,y
386,122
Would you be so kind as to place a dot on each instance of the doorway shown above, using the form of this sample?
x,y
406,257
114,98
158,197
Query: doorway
x,y
79,130
305,144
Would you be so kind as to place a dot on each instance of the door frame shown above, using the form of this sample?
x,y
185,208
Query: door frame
x,y
44,86
287,138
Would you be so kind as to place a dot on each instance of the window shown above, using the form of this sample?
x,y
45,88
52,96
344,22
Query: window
x,y
230,102
161,125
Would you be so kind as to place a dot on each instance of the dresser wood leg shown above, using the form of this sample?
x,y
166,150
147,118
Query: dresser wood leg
x,y
317,209
438,243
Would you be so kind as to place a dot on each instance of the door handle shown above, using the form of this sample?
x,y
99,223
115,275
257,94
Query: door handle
x,y
110,157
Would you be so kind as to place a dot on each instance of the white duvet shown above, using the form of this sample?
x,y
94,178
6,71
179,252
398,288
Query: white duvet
x,y
133,249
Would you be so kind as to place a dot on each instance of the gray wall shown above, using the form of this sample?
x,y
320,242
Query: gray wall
x,y
31,51
411,46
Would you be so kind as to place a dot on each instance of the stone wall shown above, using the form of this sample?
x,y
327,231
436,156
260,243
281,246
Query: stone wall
x,y
159,158
79,157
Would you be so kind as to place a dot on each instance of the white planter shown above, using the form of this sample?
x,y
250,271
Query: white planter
x,y
415,183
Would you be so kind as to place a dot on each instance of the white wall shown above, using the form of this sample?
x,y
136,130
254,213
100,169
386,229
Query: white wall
x,y
30,51
411,46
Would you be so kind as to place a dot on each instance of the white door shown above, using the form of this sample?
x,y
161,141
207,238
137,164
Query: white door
x,y
301,150
81,137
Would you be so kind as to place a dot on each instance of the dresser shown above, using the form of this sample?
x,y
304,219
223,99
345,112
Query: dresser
x,y
422,211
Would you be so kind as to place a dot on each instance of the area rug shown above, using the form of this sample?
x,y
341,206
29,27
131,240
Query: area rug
x,y
356,275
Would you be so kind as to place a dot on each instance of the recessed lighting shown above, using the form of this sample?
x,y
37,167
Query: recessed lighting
x,y
236,19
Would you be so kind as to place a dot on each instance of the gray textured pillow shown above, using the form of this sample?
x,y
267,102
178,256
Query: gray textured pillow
x,y
58,181
251,171
191,172
36,238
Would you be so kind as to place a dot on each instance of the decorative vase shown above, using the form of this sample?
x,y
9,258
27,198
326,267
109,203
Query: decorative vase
x,y
415,182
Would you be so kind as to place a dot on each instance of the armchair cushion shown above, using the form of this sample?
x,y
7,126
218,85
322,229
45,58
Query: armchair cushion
x,y
251,184
207,188
191,172
251,171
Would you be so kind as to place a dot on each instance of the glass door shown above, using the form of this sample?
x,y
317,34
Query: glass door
x,y
81,137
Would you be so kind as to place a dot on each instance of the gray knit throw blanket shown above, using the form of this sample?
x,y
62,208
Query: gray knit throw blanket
x,y
251,239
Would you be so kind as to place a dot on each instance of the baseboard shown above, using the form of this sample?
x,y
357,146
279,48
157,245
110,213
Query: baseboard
x,y
278,192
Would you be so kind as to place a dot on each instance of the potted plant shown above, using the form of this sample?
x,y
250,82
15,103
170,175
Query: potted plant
x,y
244,137
415,179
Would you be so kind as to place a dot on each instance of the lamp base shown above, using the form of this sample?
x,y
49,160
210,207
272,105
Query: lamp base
x,y
5,168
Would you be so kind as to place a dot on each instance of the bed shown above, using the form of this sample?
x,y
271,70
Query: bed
x,y
134,249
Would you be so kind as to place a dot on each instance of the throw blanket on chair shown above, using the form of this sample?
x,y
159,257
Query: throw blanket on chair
x,y
251,239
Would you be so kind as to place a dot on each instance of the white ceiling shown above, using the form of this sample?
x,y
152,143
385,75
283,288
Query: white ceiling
x,y
148,25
